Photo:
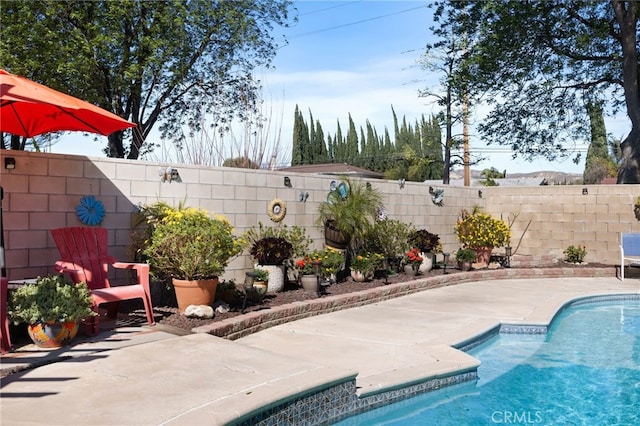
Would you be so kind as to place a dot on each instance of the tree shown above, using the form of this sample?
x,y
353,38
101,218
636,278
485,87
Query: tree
x,y
538,63
490,175
446,57
154,63
599,163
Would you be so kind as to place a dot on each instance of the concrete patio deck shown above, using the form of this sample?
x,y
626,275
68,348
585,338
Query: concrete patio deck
x,y
144,376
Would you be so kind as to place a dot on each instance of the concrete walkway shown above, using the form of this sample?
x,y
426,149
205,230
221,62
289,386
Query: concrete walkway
x,y
143,376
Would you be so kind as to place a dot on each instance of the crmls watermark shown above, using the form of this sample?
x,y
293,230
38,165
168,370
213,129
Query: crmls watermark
x,y
516,417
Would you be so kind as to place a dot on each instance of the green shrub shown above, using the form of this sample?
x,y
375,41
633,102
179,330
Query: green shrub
x,y
575,254
52,298
389,237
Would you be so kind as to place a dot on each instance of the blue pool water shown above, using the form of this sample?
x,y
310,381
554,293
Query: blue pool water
x,y
585,371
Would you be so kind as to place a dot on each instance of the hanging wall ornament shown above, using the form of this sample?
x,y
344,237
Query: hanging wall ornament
x,y
90,211
277,210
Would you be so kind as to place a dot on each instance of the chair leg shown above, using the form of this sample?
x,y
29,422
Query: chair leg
x,y
112,309
5,338
92,324
148,308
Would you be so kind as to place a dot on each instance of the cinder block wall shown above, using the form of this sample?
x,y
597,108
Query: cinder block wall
x,y
562,215
42,192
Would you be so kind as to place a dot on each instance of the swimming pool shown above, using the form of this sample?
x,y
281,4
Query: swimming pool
x,y
586,370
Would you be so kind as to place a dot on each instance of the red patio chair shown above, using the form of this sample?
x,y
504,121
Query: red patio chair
x,y
5,339
85,259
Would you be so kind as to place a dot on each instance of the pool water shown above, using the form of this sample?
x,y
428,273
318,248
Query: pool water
x,y
585,371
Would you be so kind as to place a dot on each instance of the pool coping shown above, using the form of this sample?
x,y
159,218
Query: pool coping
x,y
363,401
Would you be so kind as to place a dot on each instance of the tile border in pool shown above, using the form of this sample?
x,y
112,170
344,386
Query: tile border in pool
x,y
340,401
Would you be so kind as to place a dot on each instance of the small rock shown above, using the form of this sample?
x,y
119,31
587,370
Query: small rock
x,y
199,311
221,307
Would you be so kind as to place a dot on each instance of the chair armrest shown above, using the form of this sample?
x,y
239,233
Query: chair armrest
x,y
142,271
76,272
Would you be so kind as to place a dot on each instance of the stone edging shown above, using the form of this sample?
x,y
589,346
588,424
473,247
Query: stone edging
x,y
252,322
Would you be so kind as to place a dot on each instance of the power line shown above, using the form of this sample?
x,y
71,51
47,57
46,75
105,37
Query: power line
x,y
329,8
335,27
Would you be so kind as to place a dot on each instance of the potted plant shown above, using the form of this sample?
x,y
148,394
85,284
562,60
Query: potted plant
x,y
270,253
412,260
52,308
306,272
193,249
428,244
332,262
481,232
260,281
349,213
364,265
465,257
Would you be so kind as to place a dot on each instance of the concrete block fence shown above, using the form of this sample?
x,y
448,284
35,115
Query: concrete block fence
x,y
43,190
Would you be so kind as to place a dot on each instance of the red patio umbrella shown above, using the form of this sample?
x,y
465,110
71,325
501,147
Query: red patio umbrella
x,y
29,109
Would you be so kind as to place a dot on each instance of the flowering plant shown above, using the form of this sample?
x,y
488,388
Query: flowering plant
x,y
191,245
332,261
366,262
413,258
304,266
479,229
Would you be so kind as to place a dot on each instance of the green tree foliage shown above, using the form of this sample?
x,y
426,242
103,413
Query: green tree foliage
x,y
599,163
416,154
151,62
539,62
490,175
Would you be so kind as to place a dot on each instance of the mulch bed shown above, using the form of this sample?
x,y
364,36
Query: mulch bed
x,y
173,321
169,319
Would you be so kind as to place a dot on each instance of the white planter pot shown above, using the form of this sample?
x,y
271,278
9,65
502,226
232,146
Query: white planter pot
x,y
276,277
427,262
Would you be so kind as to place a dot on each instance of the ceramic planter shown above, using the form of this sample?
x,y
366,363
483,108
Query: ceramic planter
x,y
276,277
309,282
427,262
411,270
196,292
361,276
52,334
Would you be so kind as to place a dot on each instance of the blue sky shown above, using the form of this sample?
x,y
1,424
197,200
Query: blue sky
x,y
358,58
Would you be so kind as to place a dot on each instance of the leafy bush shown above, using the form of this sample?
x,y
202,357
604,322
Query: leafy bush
x,y
575,254
189,244
465,255
272,251
425,241
52,298
389,237
479,229
297,236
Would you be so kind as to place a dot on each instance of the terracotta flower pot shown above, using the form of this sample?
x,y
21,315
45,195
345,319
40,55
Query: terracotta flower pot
x,y
196,292
483,254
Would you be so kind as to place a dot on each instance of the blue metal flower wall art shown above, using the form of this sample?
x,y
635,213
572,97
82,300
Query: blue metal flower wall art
x,y
437,196
90,211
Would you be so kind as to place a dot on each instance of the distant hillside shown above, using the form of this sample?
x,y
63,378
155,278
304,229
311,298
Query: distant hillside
x,y
552,177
